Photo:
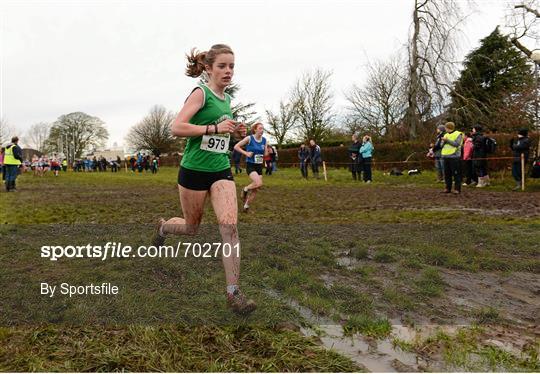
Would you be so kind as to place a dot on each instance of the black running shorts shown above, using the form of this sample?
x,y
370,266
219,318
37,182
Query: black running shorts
x,y
253,167
201,180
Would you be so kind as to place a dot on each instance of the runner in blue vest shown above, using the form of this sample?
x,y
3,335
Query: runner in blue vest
x,y
255,151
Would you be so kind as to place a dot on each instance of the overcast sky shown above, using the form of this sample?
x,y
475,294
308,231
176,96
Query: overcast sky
x,y
116,59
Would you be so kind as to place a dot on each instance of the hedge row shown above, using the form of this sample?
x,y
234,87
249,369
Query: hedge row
x,y
393,155
386,155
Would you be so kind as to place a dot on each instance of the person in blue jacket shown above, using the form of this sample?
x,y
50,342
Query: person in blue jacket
x,y
315,157
303,156
366,150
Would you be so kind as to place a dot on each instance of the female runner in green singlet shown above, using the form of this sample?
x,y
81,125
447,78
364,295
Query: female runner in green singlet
x,y
205,171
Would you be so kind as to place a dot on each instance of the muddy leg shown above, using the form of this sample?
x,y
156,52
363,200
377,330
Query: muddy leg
x,y
192,207
223,198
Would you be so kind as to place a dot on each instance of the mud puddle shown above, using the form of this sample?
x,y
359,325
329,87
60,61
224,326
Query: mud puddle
x,y
371,354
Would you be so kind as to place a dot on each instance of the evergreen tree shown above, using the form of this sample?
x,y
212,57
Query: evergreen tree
x,y
496,87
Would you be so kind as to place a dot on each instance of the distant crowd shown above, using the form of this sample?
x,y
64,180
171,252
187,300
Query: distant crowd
x,y
142,161
460,159
97,164
12,164
459,155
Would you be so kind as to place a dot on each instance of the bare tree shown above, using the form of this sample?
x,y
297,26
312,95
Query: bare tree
x,y
352,124
281,123
313,104
6,132
75,133
522,21
432,44
37,135
381,102
153,132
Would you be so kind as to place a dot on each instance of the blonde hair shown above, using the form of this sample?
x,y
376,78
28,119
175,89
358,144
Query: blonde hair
x,y
450,125
197,61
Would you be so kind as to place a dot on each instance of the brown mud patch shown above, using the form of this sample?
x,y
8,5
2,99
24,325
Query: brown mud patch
x,y
344,199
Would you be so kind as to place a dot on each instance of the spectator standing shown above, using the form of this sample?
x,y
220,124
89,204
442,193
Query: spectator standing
x,y
437,148
140,162
479,156
315,157
133,162
2,152
519,146
451,153
275,158
355,157
12,161
303,157
468,169
268,159
154,165
237,157
366,151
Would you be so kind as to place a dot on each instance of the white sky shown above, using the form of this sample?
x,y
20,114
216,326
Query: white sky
x,y
116,59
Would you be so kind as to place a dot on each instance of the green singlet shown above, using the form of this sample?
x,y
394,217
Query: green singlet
x,y
214,111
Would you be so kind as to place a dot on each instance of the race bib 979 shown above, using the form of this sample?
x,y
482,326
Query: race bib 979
x,y
218,143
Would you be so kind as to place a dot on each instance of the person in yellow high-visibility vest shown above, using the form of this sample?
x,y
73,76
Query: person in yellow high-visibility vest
x,y
451,155
2,150
12,161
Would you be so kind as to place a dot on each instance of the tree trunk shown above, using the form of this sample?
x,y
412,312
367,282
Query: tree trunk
x,y
412,112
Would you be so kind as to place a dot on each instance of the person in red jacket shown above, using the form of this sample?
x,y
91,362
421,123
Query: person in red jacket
x,y
268,159
468,169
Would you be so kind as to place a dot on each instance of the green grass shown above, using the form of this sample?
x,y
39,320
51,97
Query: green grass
x,y
430,283
164,348
486,315
368,325
466,351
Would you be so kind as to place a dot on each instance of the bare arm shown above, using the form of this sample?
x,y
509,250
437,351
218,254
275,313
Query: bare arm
x,y
181,125
242,143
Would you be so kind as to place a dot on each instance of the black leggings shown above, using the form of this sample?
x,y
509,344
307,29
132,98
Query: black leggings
x,y
480,167
268,168
469,172
356,169
366,166
315,167
304,168
452,170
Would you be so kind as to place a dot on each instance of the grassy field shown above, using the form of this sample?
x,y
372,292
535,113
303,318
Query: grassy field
x,y
458,273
